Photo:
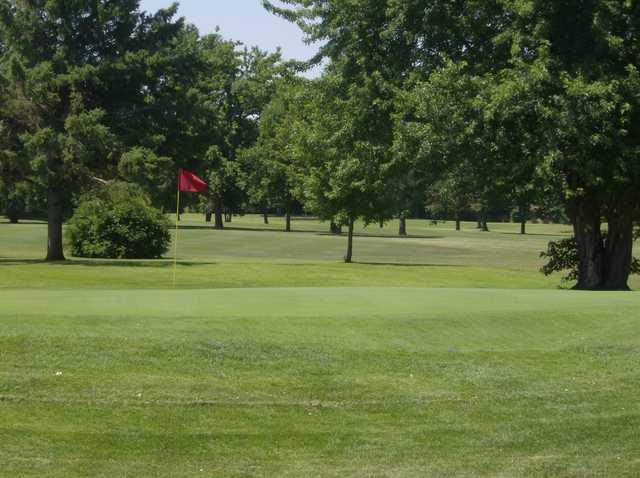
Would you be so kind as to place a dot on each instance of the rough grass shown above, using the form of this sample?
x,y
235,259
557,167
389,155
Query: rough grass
x,y
278,364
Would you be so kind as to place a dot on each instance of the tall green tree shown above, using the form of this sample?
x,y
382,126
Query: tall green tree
x,y
85,71
554,89
231,91
346,177
273,173
370,59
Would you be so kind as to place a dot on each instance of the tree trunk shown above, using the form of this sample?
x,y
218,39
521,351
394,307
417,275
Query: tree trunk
x,y
228,217
483,223
349,257
265,215
523,213
381,223
586,219
287,218
54,226
208,215
219,223
403,225
618,251
603,264
458,222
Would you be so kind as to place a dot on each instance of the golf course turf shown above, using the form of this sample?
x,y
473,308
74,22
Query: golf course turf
x,y
444,354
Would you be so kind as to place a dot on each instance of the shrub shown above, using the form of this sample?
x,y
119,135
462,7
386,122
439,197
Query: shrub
x,y
562,256
117,221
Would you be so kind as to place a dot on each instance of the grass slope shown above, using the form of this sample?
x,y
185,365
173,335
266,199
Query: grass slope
x,y
319,382
250,254
445,354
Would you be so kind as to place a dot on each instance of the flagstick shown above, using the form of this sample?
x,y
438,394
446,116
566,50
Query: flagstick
x,y
175,253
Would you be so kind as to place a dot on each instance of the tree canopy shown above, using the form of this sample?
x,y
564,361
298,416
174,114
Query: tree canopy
x,y
491,108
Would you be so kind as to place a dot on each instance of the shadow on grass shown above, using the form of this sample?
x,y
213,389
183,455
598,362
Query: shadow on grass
x,y
246,229
405,264
310,231
549,234
164,263
26,222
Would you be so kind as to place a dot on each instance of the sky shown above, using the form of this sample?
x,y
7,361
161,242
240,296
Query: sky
x,y
242,20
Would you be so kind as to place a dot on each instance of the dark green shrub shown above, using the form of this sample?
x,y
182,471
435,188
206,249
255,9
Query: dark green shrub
x,y
117,221
562,256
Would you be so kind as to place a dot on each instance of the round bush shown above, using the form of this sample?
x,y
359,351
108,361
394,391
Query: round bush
x,y
117,221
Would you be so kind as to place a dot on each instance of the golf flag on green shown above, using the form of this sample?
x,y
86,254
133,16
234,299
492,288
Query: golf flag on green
x,y
188,183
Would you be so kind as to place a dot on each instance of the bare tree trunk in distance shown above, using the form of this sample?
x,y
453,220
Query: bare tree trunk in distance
x,y
522,212
287,218
483,222
219,223
349,257
403,225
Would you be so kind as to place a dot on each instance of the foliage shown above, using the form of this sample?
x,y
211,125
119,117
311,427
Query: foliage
x,y
87,81
231,90
117,221
562,256
145,168
551,106
272,171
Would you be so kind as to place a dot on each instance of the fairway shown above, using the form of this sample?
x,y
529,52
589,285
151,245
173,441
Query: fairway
x,y
443,354
312,238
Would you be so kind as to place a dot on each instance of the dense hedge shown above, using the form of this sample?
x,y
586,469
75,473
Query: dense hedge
x,y
117,221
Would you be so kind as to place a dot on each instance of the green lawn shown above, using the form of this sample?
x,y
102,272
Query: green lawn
x,y
444,354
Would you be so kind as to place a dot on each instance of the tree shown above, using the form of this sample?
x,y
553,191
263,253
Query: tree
x,y
232,88
352,176
346,177
588,119
15,189
272,174
555,93
82,72
142,166
452,196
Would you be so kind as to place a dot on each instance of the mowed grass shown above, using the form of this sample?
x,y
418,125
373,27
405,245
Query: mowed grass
x,y
250,254
271,358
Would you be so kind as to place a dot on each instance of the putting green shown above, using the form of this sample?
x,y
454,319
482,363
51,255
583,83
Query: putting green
x,y
319,381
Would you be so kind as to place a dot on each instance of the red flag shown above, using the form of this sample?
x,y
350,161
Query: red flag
x,y
190,183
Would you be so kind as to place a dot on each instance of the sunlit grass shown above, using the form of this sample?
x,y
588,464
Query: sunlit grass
x,y
443,354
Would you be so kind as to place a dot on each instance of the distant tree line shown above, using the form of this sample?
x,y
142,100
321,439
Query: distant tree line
x,y
466,110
